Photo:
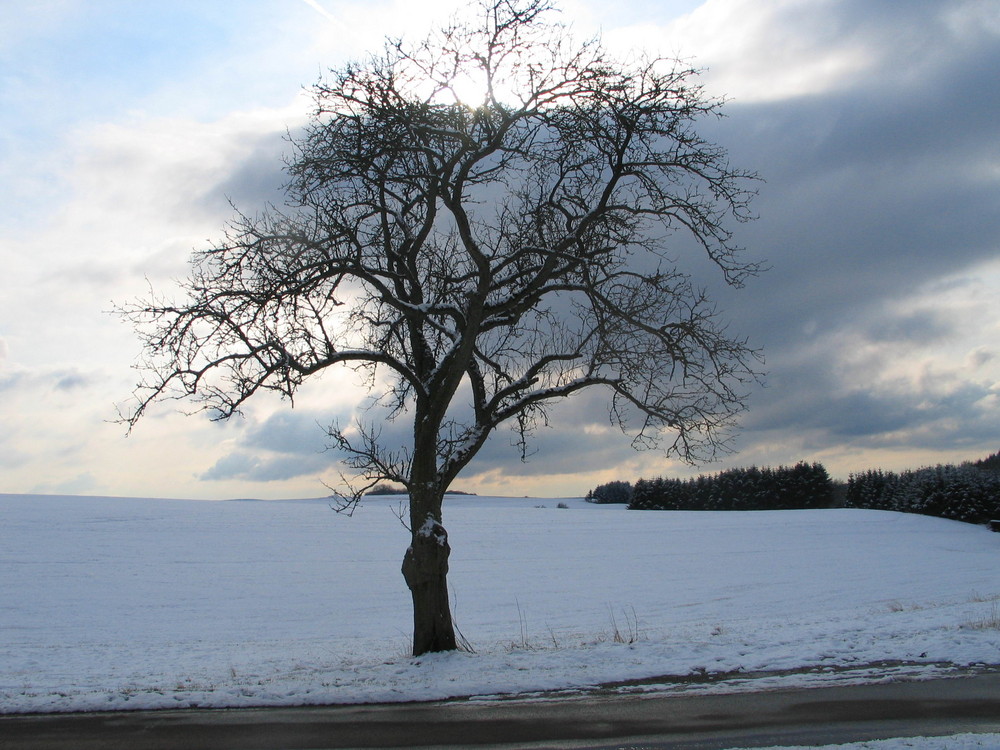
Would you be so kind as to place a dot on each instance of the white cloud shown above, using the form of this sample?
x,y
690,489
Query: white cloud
x,y
140,196
758,51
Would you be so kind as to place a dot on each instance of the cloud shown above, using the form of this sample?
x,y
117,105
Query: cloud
x,y
914,377
255,468
578,439
553,450
921,327
877,218
288,444
291,432
876,194
777,50
879,415
254,179
872,123
980,356
72,381
32,383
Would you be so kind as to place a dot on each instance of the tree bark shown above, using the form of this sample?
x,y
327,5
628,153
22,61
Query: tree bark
x,y
425,564
425,568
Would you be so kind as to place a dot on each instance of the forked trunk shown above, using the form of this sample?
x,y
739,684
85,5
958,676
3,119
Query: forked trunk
x,y
425,568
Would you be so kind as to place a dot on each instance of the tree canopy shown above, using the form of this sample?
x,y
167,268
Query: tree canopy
x,y
482,223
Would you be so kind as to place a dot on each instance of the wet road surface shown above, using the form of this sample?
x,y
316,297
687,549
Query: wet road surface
x,y
688,721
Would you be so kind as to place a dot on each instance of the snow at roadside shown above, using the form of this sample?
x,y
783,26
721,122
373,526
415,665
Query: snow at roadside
x,y
953,742
128,603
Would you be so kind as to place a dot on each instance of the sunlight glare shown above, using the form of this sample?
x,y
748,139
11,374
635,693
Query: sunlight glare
x,y
471,89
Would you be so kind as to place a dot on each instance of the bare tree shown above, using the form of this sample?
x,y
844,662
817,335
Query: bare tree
x,y
485,218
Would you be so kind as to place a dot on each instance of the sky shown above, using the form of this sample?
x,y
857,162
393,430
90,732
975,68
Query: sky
x,y
128,128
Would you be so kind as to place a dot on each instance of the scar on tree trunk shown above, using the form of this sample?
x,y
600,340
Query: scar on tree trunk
x,y
425,568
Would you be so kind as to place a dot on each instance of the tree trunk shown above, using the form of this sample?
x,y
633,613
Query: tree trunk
x,y
425,568
425,565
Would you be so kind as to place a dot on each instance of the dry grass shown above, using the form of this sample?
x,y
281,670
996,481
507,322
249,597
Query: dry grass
x,y
977,597
630,633
988,622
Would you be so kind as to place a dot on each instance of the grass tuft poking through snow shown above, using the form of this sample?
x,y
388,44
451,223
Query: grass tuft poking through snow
x,y
989,622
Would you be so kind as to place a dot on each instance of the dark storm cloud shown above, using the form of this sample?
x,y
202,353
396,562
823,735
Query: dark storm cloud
x,y
814,404
873,192
259,178
879,185
843,234
816,399
923,327
869,418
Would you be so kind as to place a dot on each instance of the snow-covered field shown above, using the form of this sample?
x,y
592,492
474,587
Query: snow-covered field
x,y
126,603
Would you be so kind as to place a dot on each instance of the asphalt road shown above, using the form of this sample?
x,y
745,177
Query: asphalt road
x,y
684,721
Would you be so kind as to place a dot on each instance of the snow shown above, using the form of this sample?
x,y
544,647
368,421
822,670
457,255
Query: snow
x,y
431,529
141,603
952,742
